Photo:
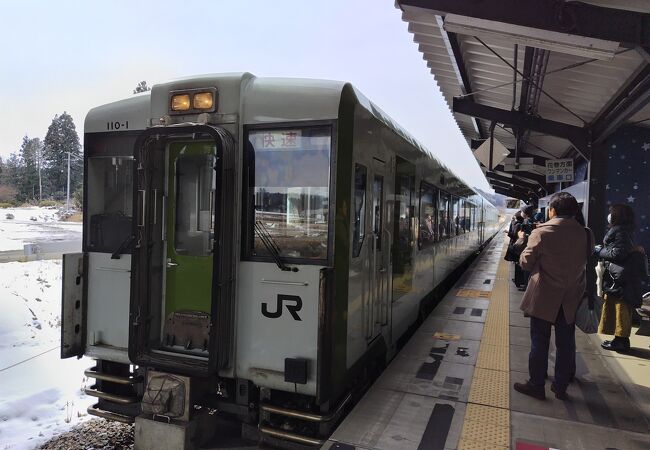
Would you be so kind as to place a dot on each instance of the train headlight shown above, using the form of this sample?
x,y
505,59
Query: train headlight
x,y
180,102
203,100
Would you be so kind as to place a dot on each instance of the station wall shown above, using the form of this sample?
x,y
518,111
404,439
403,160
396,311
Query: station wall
x,y
628,176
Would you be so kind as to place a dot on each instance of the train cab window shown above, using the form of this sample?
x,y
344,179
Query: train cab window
x,y
444,224
359,226
195,185
428,232
289,179
378,209
109,185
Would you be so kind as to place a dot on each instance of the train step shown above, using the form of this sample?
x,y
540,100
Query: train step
x,y
117,379
96,411
121,399
117,389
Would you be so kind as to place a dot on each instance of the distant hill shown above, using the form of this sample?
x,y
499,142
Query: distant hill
x,y
497,200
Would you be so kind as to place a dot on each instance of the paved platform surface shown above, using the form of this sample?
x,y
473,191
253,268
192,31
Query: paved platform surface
x,y
451,385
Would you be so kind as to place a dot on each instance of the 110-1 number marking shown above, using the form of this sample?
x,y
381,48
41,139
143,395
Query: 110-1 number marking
x,y
113,126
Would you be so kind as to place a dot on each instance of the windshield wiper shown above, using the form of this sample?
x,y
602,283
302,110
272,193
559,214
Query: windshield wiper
x,y
271,246
123,246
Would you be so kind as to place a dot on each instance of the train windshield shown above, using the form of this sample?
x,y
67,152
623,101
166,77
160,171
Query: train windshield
x,y
289,190
110,202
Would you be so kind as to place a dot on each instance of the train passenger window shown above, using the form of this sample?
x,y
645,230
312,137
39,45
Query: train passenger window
x,y
195,185
462,222
455,214
444,224
428,232
404,213
109,186
378,209
359,226
289,179
469,216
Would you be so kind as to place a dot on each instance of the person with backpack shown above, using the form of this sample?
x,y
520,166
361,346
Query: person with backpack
x,y
625,270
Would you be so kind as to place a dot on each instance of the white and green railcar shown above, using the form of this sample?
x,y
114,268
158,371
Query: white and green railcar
x,y
261,243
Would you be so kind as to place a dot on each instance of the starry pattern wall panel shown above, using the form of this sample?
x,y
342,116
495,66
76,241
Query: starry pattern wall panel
x,y
628,176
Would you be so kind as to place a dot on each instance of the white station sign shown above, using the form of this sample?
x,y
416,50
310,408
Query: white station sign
x,y
559,170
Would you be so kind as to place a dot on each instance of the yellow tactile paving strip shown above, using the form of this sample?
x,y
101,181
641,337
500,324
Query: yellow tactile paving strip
x,y
493,357
487,419
490,388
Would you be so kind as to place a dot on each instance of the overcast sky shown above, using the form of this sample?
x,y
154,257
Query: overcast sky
x,y
74,55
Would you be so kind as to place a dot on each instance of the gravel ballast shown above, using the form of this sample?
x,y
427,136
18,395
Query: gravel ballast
x,y
96,434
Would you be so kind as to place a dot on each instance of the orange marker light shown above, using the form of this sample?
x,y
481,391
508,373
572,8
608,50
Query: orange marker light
x,y
203,100
180,102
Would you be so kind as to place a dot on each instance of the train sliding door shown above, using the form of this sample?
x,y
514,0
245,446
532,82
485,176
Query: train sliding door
x,y
181,311
379,248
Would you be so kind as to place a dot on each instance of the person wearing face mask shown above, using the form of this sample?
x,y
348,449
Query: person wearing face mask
x,y
623,275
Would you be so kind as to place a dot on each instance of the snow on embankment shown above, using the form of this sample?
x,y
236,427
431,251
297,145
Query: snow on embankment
x,y
19,226
40,394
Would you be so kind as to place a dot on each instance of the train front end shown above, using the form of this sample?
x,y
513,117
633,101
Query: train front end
x,y
179,325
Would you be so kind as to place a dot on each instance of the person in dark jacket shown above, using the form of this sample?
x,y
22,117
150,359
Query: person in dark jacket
x,y
621,286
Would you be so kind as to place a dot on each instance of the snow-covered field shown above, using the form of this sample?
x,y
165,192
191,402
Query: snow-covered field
x,y
40,394
34,224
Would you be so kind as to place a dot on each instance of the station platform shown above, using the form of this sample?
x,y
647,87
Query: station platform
x,y
450,387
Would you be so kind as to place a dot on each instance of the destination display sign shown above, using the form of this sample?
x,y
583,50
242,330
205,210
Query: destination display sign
x,y
559,170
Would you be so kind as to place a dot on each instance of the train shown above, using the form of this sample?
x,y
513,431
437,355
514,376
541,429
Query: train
x,y
255,248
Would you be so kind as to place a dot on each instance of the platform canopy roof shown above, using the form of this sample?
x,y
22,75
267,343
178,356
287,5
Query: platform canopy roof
x,y
547,79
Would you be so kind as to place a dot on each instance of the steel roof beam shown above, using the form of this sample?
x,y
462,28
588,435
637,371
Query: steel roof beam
x,y
629,28
533,179
460,63
511,191
514,180
631,99
578,136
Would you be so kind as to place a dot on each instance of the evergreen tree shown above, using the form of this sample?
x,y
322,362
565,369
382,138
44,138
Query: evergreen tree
x,y
12,173
60,139
29,160
141,87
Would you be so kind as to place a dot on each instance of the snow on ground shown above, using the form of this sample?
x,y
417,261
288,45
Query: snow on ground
x,y
34,224
40,394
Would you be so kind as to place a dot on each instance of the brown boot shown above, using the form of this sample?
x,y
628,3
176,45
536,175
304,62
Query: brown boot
x,y
537,392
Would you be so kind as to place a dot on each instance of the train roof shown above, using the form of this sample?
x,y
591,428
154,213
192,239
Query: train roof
x,y
259,100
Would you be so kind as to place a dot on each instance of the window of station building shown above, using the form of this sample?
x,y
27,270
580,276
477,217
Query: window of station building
x,y
289,185
359,225
444,224
455,214
428,232
109,202
378,209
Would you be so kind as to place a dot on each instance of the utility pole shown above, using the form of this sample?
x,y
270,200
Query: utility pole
x,y
67,195
40,183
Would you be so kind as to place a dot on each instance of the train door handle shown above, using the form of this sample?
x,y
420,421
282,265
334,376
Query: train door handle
x,y
171,264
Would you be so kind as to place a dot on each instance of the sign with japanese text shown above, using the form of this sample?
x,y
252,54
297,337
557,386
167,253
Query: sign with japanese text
x,y
559,170
281,139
